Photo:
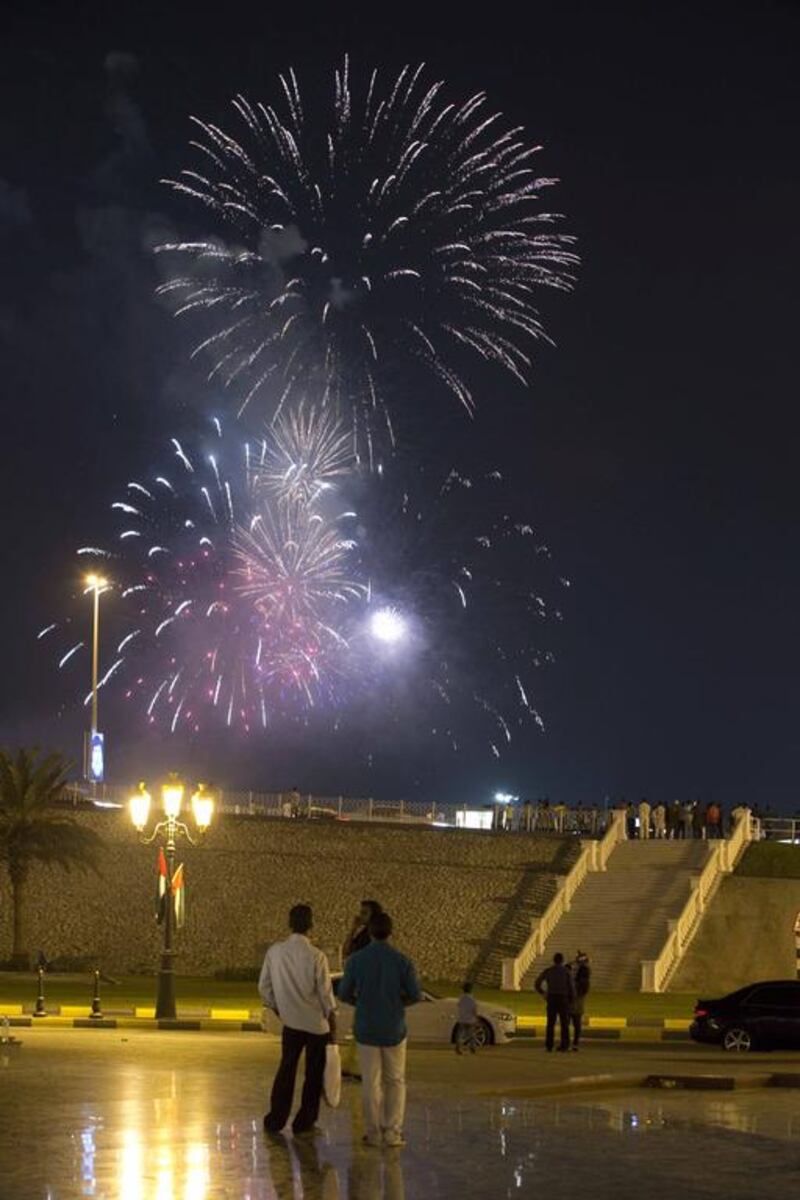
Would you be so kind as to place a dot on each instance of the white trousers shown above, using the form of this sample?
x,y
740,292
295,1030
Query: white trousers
x,y
383,1089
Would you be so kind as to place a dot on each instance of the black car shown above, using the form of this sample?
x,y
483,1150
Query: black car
x,y
761,1016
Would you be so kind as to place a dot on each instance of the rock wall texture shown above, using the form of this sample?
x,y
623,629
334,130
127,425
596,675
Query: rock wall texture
x,y
460,899
746,935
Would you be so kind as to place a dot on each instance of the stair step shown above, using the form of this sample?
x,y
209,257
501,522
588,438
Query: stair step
x,y
619,916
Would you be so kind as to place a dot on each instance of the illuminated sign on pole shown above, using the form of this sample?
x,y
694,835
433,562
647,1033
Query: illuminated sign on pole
x,y
94,757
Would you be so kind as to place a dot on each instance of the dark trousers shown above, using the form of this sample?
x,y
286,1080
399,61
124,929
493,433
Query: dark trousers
x,y
577,1024
557,1010
293,1043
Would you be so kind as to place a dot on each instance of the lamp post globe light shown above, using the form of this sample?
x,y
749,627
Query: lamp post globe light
x,y
169,830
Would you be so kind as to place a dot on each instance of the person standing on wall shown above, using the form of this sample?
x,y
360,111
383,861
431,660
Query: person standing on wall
x,y
581,976
688,819
660,820
712,820
630,820
644,819
295,983
720,821
698,820
556,984
357,939
381,982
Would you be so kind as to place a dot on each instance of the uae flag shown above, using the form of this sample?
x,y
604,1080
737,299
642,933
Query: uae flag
x,y
179,896
161,888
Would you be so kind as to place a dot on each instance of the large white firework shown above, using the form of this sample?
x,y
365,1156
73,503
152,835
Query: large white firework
x,y
397,226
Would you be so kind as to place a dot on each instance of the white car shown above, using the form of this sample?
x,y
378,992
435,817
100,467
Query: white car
x,y
434,1019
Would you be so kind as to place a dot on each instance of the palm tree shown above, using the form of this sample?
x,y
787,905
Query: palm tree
x,y
33,830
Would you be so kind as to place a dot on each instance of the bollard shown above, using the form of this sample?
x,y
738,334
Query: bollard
x,y
40,1010
96,1009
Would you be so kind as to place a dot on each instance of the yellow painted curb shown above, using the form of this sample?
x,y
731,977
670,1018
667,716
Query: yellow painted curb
x,y
148,1012
230,1014
607,1023
75,1010
10,1010
676,1023
531,1022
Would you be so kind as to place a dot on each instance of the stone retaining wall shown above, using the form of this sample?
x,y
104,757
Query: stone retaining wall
x,y
456,896
746,935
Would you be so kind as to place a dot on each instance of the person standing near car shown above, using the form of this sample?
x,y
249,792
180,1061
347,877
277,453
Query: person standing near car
x,y
358,936
357,939
295,983
381,982
467,1013
581,976
556,984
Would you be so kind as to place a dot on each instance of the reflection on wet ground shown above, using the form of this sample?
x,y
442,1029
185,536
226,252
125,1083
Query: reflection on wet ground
x,y
154,1117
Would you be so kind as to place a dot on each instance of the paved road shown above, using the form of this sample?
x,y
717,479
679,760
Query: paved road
x,y
140,1115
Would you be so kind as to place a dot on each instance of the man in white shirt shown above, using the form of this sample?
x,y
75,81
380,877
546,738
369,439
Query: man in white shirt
x,y
295,983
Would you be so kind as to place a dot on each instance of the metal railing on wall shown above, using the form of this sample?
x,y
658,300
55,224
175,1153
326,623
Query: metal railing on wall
x,y
775,829
307,806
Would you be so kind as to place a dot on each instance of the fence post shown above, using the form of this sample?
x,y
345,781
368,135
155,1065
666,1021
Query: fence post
x,y
401,808
369,809
648,975
340,808
510,977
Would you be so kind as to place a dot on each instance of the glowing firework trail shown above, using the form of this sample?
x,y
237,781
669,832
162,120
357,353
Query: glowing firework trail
x,y
397,224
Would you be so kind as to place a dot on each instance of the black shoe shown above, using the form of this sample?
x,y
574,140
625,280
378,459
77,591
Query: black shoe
x,y
562,1049
269,1127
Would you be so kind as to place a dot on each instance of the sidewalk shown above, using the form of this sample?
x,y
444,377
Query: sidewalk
x,y
596,1028
629,1029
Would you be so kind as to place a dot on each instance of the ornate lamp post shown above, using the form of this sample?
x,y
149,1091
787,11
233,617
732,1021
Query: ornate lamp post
x,y
170,829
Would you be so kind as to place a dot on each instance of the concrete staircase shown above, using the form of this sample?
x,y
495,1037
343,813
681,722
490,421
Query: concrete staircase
x,y
619,916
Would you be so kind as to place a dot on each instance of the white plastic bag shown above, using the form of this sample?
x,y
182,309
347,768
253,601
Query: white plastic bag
x,y
332,1080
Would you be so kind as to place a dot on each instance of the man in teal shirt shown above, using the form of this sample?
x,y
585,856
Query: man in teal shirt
x,y
381,982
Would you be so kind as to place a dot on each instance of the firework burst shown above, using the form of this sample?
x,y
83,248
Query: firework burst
x,y
397,225
195,641
467,595
308,451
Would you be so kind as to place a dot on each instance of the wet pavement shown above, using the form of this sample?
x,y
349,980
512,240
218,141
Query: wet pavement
x,y
152,1116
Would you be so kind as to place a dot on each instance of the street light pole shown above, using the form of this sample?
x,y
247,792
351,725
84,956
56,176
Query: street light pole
x,y
170,829
165,992
95,647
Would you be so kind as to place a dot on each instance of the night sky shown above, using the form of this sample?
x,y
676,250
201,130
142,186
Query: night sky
x,y
657,444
